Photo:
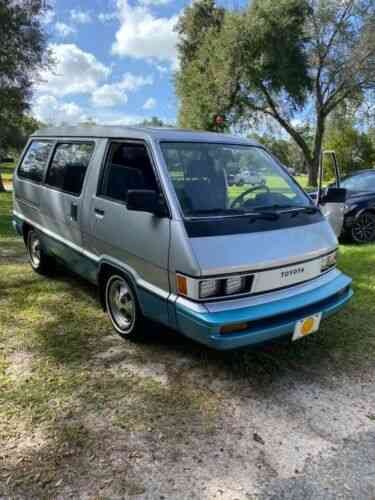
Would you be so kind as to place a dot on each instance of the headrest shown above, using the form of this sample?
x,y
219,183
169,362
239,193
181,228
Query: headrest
x,y
129,155
200,168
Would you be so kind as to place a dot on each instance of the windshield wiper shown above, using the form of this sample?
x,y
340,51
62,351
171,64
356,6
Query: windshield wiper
x,y
294,209
263,215
215,211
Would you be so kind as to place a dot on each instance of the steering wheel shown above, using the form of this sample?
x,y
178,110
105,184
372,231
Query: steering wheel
x,y
239,199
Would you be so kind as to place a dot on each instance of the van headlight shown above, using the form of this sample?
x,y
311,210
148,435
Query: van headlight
x,y
211,288
328,261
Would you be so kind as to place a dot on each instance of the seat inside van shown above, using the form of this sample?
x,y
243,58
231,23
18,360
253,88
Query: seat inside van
x,y
130,168
204,187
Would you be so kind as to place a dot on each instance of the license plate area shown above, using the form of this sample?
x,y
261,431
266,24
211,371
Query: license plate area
x,y
307,326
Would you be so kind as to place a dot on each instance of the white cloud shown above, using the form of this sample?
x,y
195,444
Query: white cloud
x,y
155,2
161,68
150,103
144,36
64,30
107,17
74,72
80,16
132,82
109,95
113,94
48,109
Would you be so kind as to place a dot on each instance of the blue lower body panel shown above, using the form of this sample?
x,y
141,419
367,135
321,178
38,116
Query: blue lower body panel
x,y
265,321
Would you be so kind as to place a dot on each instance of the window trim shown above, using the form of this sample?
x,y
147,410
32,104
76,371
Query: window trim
x,y
46,166
58,142
104,167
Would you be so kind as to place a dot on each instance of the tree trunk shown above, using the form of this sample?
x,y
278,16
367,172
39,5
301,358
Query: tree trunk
x,y
313,170
2,187
318,144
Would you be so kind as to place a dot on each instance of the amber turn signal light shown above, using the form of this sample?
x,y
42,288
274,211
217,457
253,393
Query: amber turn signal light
x,y
237,327
181,283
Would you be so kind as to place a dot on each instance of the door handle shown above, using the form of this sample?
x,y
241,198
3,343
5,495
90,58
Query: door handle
x,y
99,212
74,211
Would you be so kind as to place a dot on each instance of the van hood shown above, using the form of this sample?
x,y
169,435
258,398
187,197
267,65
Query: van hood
x,y
218,255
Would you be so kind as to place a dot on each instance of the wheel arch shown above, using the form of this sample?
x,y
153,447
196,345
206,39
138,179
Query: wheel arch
x,y
107,269
26,228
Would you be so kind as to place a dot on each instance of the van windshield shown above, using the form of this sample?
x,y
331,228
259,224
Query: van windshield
x,y
221,180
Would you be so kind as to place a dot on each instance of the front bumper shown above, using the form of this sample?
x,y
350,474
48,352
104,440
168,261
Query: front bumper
x,y
275,317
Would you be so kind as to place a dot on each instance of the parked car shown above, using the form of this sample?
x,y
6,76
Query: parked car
x,y
359,221
146,215
231,180
248,177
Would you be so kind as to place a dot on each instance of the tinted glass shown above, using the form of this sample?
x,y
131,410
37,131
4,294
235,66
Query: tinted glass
x,y
228,179
128,167
68,167
35,161
361,182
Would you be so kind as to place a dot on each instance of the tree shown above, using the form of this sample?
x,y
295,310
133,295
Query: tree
x,y
277,60
154,122
353,148
22,53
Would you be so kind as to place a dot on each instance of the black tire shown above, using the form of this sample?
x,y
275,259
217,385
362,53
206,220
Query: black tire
x,y
123,308
363,229
39,260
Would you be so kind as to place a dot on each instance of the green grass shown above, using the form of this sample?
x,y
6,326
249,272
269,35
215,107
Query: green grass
x,y
7,170
63,389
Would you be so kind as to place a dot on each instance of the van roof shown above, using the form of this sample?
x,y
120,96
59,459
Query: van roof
x,y
158,133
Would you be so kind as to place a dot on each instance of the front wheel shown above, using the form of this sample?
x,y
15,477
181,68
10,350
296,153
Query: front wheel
x,y
39,260
122,307
363,229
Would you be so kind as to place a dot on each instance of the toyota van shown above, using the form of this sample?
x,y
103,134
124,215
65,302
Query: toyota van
x,y
148,215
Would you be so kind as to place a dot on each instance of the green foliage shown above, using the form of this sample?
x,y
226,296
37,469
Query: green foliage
x,y
154,122
205,66
272,51
273,60
285,150
22,52
353,148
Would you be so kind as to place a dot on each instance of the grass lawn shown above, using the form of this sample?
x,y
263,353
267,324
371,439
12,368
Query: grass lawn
x,y
70,391
6,170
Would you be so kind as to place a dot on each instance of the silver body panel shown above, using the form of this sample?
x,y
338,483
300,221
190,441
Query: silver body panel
x,y
257,251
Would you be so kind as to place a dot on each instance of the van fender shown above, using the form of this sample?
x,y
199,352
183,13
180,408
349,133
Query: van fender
x,y
108,265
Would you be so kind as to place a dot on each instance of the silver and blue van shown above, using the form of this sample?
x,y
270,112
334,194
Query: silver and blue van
x,y
149,216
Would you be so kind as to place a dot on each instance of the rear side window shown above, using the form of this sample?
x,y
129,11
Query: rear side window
x,y
68,167
128,167
35,161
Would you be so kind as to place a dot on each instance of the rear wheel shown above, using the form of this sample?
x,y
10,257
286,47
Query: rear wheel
x,y
39,260
122,307
363,229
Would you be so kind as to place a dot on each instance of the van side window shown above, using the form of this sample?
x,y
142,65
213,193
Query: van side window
x,y
68,167
128,166
35,161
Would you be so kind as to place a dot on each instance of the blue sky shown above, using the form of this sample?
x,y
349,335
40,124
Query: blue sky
x,y
114,61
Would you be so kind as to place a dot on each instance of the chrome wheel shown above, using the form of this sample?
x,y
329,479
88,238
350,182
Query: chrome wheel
x,y
34,248
363,230
121,304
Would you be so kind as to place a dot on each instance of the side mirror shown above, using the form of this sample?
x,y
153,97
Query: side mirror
x,y
333,195
145,200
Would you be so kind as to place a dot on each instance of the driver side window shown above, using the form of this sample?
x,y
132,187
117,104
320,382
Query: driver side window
x,y
128,166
